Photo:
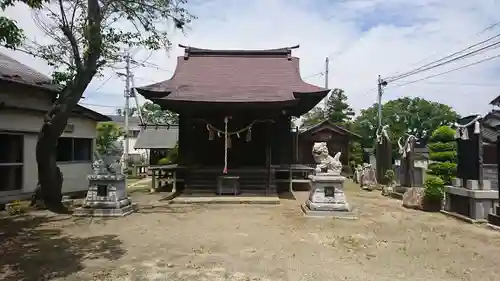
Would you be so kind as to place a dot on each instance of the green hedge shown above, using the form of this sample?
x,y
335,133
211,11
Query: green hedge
x,y
443,151
445,170
442,146
443,134
434,189
444,156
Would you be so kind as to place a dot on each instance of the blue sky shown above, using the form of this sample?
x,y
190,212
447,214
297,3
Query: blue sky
x,y
363,38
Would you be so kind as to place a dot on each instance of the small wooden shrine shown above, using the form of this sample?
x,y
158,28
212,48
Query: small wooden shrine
x,y
235,109
336,137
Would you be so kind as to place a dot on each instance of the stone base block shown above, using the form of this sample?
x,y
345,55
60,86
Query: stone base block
x,y
340,206
95,212
396,195
494,219
338,214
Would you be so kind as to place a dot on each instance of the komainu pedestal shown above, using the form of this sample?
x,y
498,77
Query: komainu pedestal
x,y
107,194
327,198
106,197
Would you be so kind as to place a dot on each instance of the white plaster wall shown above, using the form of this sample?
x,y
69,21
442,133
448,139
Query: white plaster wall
x,y
28,123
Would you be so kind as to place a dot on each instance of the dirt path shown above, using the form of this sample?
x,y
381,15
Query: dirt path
x,y
251,242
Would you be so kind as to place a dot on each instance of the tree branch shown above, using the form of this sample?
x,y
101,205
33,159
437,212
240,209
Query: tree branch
x,y
65,27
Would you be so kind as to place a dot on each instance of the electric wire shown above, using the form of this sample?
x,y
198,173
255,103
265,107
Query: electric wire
x,y
477,34
467,55
449,71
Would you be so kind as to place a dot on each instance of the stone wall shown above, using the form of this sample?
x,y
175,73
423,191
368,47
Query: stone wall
x,y
490,173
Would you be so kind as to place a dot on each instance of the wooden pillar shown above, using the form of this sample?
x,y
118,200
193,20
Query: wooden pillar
x,y
269,155
384,159
408,165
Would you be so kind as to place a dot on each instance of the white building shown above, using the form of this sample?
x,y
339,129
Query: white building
x,y
25,96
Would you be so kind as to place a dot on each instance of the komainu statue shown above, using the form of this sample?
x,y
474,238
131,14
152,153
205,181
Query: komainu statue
x,y
326,163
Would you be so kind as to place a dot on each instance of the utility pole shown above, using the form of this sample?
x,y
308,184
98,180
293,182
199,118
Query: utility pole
x,y
381,83
127,109
327,62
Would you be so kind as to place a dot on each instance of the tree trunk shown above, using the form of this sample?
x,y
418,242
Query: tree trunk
x,y
49,175
48,172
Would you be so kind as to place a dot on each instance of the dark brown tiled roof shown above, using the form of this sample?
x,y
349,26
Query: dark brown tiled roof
x,y
326,124
13,71
233,76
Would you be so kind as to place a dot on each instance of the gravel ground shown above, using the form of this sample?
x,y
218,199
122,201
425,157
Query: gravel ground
x,y
249,242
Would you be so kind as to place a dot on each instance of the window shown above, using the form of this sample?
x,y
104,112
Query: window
x,y
74,149
11,162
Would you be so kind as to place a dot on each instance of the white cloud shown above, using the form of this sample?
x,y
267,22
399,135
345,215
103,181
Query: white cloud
x,y
362,38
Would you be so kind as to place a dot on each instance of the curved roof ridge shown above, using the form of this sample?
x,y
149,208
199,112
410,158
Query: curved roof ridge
x,y
238,52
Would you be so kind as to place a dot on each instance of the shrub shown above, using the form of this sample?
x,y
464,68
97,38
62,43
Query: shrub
x,y
443,134
164,161
434,187
442,146
389,176
444,156
442,151
16,208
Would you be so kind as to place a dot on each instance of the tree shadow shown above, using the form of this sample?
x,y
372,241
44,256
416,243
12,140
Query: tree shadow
x,y
32,250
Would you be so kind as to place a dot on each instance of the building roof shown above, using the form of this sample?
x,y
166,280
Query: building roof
x,y
326,124
121,119
157,138
91,114
234,76
495,101
13,71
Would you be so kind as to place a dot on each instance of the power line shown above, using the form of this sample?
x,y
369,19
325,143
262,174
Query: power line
x,y
454,84
434,54
100,86
313,75
449,71
100,105
422,69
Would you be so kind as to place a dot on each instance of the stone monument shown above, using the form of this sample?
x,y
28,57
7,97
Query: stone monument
x,y
327,198
107,194
368,179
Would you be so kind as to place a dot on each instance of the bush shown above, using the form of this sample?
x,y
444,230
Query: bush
x,y
434,188
443,134
444,156
442,150
16,208
442,146
445,170
389,176
164,161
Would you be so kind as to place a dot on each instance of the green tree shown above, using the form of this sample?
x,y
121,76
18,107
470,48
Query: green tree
x,y
313,117
107,134
416,116
443,154
152,113
83,37
337,111
355,153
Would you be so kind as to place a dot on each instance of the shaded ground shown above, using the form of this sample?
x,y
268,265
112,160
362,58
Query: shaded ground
x,y
250,242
